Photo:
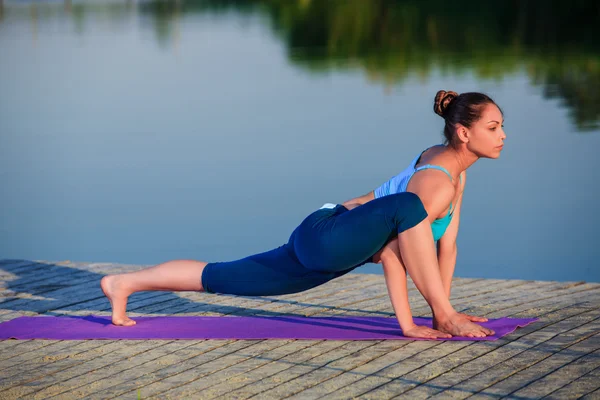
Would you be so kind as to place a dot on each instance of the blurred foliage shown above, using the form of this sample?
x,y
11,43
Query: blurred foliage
x,y
556,43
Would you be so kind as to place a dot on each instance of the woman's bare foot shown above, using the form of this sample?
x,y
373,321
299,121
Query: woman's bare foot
x,y
460,325
117,293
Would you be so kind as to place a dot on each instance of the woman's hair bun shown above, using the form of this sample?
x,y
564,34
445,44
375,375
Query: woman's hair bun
x,y
442,101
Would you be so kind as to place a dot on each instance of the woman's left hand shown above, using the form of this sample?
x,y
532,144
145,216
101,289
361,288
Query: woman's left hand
x,y
473,318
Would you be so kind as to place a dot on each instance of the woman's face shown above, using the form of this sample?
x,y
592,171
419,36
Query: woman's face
x,y
487,134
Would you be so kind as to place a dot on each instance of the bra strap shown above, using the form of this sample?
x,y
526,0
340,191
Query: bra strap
x,y
429,166
441,169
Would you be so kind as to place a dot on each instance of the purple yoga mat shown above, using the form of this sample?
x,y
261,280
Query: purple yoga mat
x,y
255,327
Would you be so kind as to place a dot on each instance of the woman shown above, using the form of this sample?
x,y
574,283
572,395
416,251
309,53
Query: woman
x,y
398,225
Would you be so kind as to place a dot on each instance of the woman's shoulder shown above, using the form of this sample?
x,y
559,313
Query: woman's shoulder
x,y
430,153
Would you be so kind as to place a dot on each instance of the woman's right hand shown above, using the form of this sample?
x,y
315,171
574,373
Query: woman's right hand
x,y
425,332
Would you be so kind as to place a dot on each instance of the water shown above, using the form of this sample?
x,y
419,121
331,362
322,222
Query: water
x,y
143,132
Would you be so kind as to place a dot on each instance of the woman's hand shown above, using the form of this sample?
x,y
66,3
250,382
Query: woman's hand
x,y
425,332
350,206
473,318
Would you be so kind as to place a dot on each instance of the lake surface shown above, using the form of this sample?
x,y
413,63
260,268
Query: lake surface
x,y
140,132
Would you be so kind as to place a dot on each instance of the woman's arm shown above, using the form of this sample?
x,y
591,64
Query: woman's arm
x,y
447,251
395,279
357,201
446,247
447,262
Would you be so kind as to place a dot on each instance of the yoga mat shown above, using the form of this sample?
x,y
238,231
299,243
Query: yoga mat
x,y
255,327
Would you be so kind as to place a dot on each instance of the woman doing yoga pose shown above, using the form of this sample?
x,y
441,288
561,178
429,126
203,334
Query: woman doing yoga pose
x,y
408,224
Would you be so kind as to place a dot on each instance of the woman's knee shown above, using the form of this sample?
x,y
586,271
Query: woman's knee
x,y
408,200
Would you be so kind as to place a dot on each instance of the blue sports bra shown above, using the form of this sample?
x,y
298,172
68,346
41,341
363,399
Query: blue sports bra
x,y
398,184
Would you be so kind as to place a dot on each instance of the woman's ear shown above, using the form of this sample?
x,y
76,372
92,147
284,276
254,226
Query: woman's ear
x,y
462,133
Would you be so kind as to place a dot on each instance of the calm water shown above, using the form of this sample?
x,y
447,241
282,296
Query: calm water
x,y
143,132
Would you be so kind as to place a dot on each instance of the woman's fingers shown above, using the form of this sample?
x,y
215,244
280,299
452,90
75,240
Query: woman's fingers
x,y
476,319
473,318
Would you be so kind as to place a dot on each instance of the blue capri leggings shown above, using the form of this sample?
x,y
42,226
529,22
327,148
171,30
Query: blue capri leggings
x,y
327,244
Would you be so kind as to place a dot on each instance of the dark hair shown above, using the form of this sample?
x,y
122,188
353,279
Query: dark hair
x,y
464,109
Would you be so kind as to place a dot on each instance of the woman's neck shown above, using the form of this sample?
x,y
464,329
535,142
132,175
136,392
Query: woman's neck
x,y
461,159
